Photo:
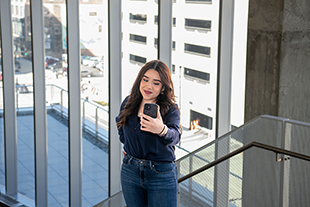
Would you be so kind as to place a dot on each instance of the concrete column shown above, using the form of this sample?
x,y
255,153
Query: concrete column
x,y
294,86
263,58
278,50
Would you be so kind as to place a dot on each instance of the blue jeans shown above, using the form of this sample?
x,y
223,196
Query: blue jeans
x,y
149,183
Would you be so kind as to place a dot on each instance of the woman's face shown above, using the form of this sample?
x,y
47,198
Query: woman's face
x,y
150,86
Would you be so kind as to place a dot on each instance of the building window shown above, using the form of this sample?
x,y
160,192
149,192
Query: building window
x,y
196,75
200,119
137,38
173,20
21,11
137,59
173,69
198,1
92,14
56,29
100,28
197,49
156,42
138,17
173,45
16,10
198,24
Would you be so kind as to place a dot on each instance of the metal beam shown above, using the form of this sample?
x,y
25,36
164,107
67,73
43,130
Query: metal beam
x,y
74,86
40,129
10,135
165,31
115,60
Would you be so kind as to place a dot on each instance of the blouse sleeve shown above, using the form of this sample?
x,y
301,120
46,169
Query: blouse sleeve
x,y
172,120
120,130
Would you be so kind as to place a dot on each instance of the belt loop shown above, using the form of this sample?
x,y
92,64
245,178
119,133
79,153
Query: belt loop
x,y
131,157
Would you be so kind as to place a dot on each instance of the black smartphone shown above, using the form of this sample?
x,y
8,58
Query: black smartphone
x,y
150,109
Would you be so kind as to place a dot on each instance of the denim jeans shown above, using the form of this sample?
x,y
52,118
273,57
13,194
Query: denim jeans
x,y
148,183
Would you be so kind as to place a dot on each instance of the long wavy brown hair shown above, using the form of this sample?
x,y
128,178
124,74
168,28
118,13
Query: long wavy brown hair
x,y
165,99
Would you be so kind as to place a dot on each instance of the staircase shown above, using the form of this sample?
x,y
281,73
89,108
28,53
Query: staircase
x,y
265,162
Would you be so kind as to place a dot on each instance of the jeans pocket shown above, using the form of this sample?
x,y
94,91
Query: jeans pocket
x,y
163,168
126,161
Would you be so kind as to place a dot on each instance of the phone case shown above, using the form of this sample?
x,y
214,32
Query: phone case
x,y
150,109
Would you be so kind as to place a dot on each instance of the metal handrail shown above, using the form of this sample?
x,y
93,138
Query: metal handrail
x,y
241,149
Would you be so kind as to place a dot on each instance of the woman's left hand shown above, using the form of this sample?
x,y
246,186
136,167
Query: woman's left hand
x,y
153,125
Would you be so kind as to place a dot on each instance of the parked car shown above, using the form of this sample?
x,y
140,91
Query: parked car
x,y
50,60
17,65
21,88
100,65
86,73
93,61
59,69
86,60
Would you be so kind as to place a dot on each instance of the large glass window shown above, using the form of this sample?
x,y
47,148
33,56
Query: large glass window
x,y
95,100
24,97
138,19
195,69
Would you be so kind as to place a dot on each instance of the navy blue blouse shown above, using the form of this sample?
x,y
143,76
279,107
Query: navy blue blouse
x,y
146,145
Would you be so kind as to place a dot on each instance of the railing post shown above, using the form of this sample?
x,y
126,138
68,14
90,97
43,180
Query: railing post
x,y
52,95
61,102
17,92
83,115
97,122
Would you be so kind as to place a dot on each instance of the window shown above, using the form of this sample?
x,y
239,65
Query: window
x,y
92,14
197,49
100,28
57,29
196,75
173,20
137,38
137,58
21,11
203,120
156,42
173,69
138,17
198,24
16,10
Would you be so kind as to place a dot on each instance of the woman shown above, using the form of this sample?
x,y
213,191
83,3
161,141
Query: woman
x,y
148,174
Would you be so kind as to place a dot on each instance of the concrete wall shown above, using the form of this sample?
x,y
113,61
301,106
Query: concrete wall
x,y
278,62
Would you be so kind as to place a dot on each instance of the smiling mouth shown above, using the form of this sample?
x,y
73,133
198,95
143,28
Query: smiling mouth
x,y
147,92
